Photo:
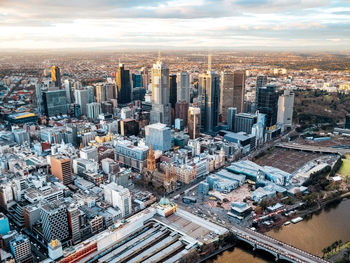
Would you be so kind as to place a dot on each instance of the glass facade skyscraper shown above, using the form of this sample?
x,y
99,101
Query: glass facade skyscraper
x,y
123,85
55,102
267,103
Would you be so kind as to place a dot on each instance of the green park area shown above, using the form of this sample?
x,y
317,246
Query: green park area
x,y
344,170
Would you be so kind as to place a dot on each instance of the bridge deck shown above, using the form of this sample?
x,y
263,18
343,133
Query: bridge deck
x,y
276,247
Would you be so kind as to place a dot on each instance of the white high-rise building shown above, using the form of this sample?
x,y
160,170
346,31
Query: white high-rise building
x,y
285,109
93,109
161,108
68,88
81,98
183,86
118,196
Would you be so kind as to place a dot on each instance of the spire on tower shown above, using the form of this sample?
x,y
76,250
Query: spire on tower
x,y
159,56
209,62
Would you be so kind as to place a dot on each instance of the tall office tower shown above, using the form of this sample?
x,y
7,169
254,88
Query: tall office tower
x,y
55,102
145,78
81,98
173,90
226,93
56,76
209,83
109,89
136,80
118,196
61,168
93,110
285,109
161,108
74,223
54,221
181,111
100,93
194,122
69,93
91,94
104,92
231,113
261,81
21,250
267,103
159,136
238,90
183,86
123,85
39,99
244,122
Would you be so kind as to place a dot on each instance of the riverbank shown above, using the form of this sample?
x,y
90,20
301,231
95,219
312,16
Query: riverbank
x,y
217,252
306,213
318,230
338,253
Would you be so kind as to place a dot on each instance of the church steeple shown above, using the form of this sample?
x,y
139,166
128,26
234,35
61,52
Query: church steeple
x,y
151,159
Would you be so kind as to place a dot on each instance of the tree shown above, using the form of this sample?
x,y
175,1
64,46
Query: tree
x,y
324,251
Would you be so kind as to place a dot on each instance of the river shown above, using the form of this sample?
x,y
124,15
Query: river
x,y
312,234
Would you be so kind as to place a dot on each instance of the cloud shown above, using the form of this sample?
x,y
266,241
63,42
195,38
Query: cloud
x,y
179,23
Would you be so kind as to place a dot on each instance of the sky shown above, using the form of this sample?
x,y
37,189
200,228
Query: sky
x,y
179,24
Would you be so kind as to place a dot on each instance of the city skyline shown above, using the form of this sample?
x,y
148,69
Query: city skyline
x,y
258,25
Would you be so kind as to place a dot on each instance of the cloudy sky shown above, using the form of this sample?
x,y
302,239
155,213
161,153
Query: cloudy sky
x,y
237,24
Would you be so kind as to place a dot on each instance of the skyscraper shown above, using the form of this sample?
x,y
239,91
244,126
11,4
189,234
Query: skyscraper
x,y
209,83
61,168
261,81
136,80
232,92
81,98
161,108
68,88
194,122
39,99
181,111
93,110
285,108
231,114
123,85
173,90
56,76
91,93
54,102
238,90
145,78
267,103
183,86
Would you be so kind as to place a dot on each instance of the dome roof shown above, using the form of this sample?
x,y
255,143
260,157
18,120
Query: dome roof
x,y
164,201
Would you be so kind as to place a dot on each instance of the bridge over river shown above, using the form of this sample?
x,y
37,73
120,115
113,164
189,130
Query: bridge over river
x,y
277,248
